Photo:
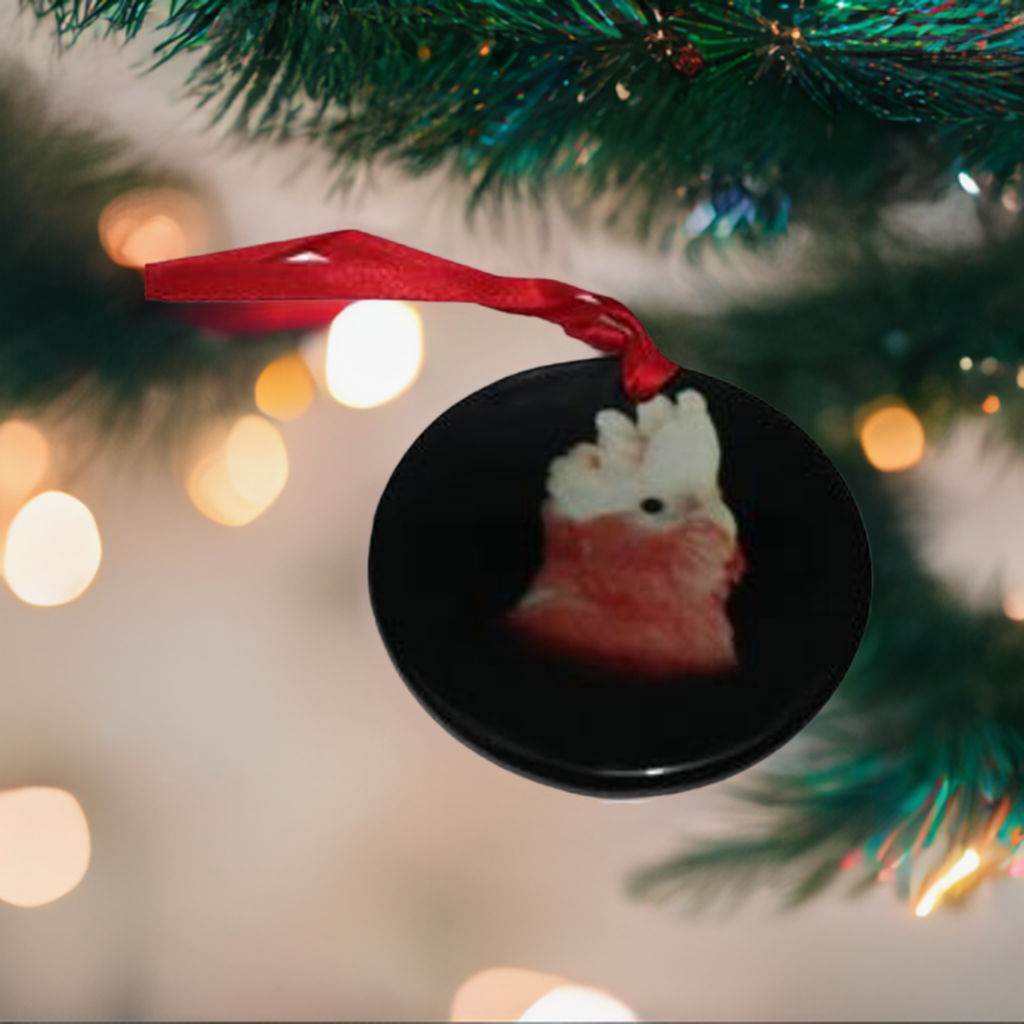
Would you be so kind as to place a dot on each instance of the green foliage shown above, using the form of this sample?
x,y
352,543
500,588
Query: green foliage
x,y
849,103
76,334
853,794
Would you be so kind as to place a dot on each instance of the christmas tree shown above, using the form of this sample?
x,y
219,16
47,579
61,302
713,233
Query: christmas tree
x,y
716,125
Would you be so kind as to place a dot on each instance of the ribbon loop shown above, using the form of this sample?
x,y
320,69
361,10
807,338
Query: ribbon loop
x,y
352,265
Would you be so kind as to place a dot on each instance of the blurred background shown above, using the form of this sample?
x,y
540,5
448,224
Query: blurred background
x,y
277,830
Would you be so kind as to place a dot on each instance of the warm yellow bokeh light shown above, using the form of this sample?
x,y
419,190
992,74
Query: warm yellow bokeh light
x,y
285,388
892,438
257,460
967,864
501,994
374,352
53,550
1013,603
236,474
510,993
44,845
156,238
577,1003
210,489
24,460
991,404
149,225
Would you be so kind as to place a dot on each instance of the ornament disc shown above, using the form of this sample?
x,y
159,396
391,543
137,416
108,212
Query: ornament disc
x,y
615,598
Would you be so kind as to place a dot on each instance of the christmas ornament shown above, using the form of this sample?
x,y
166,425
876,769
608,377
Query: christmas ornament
x,y
668,45
744,208
610,575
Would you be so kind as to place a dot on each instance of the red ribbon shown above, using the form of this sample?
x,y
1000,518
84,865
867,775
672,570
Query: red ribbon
x,y
352,265
233,319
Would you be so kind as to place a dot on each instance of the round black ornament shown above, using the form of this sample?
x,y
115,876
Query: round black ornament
x,y
608,575
619,598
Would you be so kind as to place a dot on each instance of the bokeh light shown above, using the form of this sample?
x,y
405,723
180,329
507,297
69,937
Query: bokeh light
x,y
892,438
1013,603
53,550
577,1003
149,225
968,184
238,472
991,404
510,993
501,993
257,460
285,388
374,352
24,460
44,845
966,865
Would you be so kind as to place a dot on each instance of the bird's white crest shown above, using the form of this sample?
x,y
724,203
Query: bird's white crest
x,y
671,453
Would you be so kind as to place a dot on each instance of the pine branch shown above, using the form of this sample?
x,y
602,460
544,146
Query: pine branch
x,y
617,94
856,794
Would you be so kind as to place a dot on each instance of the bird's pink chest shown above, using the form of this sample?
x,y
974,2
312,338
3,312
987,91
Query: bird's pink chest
x,y
619,560
644,599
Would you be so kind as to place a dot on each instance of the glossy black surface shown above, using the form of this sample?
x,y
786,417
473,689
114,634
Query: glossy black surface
x,y
457,539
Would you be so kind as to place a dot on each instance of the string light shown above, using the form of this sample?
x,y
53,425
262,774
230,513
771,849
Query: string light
x,y
285,388
238,472
150,225
967,864
53,550
44,845
892,438
24,460
374,352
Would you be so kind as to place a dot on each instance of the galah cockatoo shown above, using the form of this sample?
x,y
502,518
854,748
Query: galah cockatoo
x,y
640,550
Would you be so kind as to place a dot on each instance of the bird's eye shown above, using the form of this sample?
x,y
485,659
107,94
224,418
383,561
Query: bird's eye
x,y
652,505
